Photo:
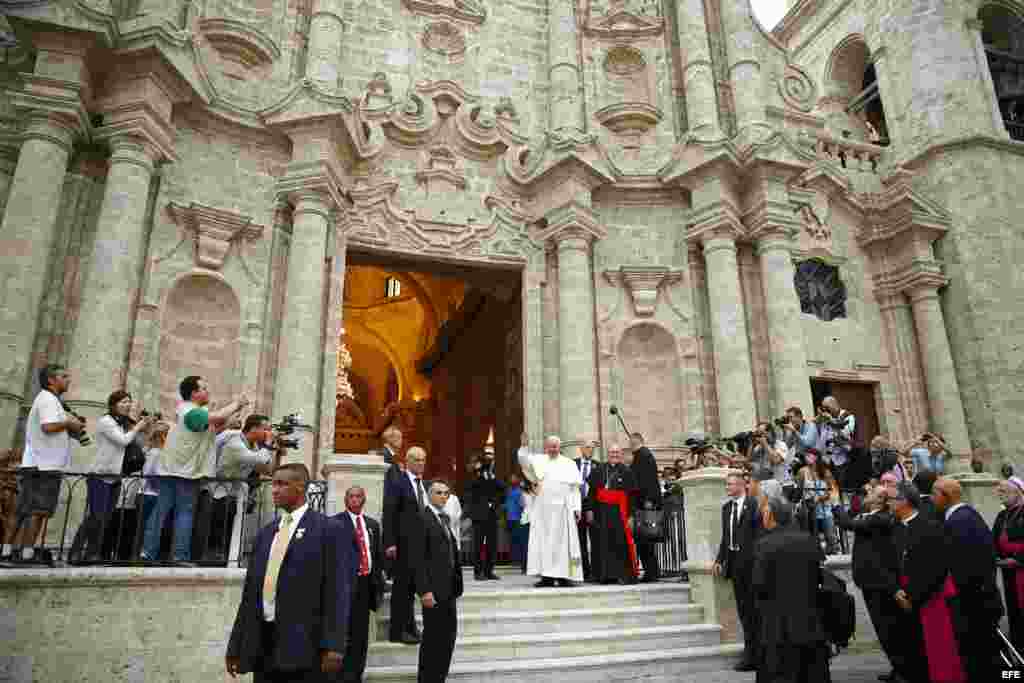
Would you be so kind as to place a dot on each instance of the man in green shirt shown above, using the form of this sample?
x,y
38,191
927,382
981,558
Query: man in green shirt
x,y
185,460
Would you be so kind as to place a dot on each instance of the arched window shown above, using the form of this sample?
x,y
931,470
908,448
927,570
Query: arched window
x,y
852,88
392,287
1003,35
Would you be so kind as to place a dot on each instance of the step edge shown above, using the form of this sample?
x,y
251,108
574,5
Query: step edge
x,y
601,611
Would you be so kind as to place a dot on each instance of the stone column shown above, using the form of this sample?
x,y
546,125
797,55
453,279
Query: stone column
x,y
745,72
549,354
323,57
790,381
698,75
565,99
944,402
26,237
734,381
703,491
99,349
577,380
299,353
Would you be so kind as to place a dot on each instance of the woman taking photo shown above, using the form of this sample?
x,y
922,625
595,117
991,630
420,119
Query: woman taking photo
x,y
820,493
1008,530
114,431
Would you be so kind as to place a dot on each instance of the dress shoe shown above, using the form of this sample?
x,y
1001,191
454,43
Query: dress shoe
x,y
544,583
479,577
564,583
492,577
406,639
891,677
745,666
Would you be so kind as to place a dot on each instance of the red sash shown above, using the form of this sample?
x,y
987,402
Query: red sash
x,y
940,644
620,499
1007,547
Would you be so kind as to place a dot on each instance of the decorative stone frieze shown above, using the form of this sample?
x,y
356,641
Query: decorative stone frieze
x,y
467,11
444,38
214,230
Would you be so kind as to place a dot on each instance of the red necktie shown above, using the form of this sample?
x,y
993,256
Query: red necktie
x,y
364,559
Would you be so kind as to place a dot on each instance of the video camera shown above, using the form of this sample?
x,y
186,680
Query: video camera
x,y
288,425
81,437
883,460
158,416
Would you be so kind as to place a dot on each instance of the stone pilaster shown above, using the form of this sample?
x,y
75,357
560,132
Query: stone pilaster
x,y
790,381
565,99
299,353
573,229
698,74
736,408
944,402
326,30
745,73
99,350
898,320
28,229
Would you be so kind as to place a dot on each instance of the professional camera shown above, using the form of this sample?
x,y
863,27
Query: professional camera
x,y
288,425
157,416
781,422
883,461
81,437
742,440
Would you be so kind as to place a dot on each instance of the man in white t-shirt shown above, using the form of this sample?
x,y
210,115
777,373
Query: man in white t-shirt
x,y
47,454
183,462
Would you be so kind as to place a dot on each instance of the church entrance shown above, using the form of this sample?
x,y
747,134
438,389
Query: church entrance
x,y
436,350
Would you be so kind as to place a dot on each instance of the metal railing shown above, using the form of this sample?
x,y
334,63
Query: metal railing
x,y
672,551
101,520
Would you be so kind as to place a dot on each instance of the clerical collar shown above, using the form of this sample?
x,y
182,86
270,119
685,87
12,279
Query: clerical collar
x,y
910,519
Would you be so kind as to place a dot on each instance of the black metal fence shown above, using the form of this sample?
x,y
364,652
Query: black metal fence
x,y
103,519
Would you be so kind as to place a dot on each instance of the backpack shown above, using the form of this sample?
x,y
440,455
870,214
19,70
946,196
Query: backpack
x,y
838,610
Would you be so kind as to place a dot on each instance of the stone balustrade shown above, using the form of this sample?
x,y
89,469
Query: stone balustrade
x,y
852,155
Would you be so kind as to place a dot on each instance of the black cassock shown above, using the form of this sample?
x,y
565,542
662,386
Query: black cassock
x,y
612,553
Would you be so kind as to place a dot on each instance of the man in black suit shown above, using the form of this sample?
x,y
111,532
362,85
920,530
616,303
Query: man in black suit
x,y
485,493
978,606
645,469
586,465
740,526
439,585
369,583
293,619
785,580
404,498
876,571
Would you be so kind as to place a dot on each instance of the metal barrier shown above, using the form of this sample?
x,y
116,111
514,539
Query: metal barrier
x,y
102,519
672,551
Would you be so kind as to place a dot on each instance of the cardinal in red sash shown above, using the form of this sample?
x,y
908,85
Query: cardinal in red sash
x,y
1008,531
612,491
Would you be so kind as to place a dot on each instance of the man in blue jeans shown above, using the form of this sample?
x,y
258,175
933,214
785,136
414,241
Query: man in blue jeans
x,y
183,462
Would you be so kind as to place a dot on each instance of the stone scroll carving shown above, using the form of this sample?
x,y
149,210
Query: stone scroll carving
x,y
797,88
820,289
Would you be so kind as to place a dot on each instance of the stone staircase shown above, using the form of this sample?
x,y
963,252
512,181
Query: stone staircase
x,y
511,631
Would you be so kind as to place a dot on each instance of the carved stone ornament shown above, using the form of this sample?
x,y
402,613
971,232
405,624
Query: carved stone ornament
x,y
444,38
821,291
469,11
813,226
628,118
378,91
441,172
797,88
643,283
624,60
214,230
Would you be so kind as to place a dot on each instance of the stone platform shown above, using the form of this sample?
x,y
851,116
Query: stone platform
x,y
511,631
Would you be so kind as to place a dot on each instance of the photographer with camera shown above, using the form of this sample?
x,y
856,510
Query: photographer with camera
x,y
184,461
798,433
48,435
818,493
768,451
836,429
885,458
929,454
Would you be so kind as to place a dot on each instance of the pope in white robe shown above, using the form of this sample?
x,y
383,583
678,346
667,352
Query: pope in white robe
x,y
554,547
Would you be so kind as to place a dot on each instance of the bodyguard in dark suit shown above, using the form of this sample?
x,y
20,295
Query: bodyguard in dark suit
x,y
368,588
485,493
740,525
645,469
439,585
785,579
404,498
293,619
586,465
876,571
978,606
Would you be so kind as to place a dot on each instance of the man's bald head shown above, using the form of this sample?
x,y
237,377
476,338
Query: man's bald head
x,y
946,493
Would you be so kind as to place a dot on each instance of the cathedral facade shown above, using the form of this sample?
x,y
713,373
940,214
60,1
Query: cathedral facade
x,y
705,222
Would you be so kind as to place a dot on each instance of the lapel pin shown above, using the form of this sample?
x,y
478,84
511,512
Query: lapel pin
x,y
299,533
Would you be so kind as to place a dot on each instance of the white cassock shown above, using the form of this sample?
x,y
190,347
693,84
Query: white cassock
x,y
554,549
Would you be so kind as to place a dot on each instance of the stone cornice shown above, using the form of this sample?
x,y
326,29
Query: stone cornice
x,y
643,283
899,211
919,275
770,219
572,221
800,13
214,229
1000,144
714,221
54,97
693,159
148,128
80,18
318,176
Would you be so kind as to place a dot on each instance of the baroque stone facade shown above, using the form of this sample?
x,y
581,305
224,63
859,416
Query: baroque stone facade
x,y
181,183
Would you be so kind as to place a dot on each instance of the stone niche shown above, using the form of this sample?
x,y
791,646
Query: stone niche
x,y
199,335
651,386
627,110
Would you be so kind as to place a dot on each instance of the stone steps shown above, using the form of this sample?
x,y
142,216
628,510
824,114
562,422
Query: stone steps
x,y
489,597
576,620
661,666
557,644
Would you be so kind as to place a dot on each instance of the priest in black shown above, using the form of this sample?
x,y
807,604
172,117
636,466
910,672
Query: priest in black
x,y
611,494
785,580
645,469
